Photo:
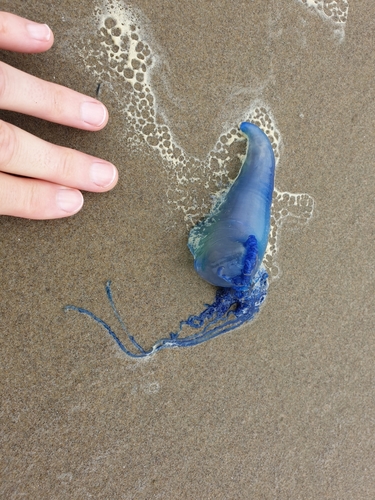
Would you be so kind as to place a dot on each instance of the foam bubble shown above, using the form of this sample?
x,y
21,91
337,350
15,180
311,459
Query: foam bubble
x,y
121,56
335,11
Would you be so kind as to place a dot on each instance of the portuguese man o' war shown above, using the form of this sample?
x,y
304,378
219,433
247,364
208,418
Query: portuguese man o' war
x,y
228,248
121,55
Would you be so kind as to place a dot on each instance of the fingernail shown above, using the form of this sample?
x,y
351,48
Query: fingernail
x,y
102,174
69,200
93,113
39,32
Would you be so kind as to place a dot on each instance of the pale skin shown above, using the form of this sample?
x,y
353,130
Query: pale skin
x,y
39,180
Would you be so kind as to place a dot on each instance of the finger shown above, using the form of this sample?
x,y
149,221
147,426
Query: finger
x,y
21,35
24,154
30,95
35,199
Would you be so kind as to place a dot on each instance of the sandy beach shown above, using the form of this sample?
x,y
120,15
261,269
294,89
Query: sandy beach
x,y
281,408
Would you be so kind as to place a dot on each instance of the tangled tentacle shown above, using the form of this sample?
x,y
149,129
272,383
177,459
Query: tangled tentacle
x,y
231,308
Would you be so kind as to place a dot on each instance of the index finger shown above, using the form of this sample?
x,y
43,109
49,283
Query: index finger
x,y
21,35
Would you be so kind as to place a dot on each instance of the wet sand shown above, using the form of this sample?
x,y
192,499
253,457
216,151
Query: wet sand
x,y
281,408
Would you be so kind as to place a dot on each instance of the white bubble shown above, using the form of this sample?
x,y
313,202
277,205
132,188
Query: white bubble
x,y
335,11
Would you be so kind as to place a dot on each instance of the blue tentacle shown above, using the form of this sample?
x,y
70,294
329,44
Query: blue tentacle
x,y
229,311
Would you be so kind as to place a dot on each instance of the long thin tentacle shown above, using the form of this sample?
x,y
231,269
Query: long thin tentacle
x,y
230,309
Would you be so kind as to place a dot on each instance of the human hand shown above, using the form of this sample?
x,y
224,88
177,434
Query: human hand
x,y
39,180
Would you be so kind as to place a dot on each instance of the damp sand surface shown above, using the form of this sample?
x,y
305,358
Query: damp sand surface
x,y
280,408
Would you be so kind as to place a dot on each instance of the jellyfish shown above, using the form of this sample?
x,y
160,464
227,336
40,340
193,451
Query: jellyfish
x,y
228,247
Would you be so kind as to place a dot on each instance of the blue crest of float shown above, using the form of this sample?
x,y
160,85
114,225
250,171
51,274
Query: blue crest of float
x,y
228,247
